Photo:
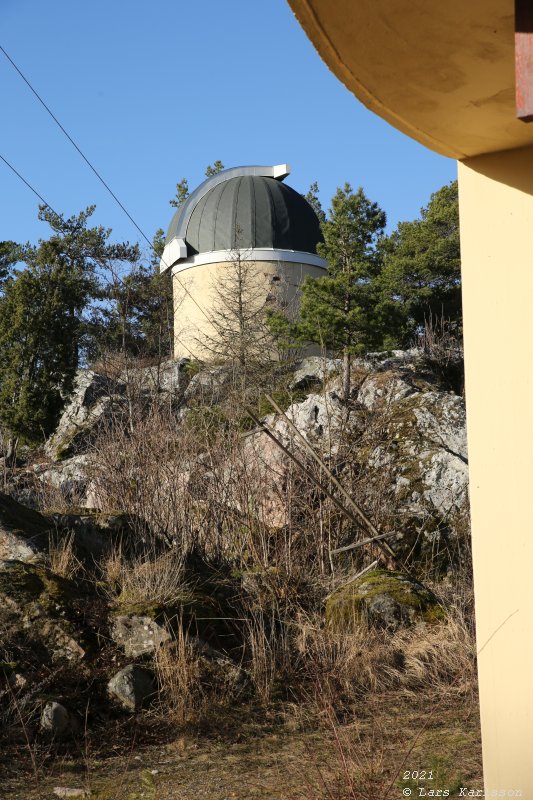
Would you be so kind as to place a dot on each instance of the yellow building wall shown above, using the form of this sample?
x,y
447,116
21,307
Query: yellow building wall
x,y
496,210
195,297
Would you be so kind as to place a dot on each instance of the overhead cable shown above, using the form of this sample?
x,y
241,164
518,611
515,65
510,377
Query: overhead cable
x,y
73,143
93,168
12,168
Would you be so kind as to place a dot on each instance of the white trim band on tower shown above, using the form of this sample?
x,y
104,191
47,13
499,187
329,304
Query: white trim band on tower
x,y
254,254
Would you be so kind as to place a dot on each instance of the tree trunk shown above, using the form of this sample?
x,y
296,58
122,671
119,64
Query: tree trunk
x,y
10,458
347,377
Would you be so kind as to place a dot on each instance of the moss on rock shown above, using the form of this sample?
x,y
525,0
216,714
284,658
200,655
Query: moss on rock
x,y
382,599
34,600
24,583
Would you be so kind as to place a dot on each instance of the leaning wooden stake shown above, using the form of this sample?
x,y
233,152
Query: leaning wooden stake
x,y
358,510
352,517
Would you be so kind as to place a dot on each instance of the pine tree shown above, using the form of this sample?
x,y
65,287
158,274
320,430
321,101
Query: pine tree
x,y
42,323
337,310
182,193
10,253
314,201
155,309
214,169
422,263
136,317
182,188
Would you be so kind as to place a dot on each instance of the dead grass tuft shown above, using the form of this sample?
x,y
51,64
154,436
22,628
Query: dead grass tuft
x,y
177,667
155,580
63,560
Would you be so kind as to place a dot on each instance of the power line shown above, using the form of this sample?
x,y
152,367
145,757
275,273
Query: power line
x,y
102,181
73,143
12,168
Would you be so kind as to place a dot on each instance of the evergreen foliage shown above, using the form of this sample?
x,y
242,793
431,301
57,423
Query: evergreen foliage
x,y
42,324
337,310
422,263
314,201
136,317
214,169
381,290
182,193
10,253
182,187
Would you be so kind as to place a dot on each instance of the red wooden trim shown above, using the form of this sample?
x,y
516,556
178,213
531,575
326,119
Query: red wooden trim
x,y
524,59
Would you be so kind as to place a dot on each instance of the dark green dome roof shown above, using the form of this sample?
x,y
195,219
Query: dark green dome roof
x,y
248,212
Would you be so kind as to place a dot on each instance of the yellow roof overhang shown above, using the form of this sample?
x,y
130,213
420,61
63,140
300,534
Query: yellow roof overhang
x,y
442,71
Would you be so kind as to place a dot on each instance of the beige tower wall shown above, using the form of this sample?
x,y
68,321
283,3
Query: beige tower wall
x,y
496,209
195,297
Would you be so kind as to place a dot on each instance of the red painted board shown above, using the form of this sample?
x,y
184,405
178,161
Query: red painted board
x,y
524,59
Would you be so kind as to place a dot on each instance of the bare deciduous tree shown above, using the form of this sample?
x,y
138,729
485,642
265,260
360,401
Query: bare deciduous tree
x,y
240,334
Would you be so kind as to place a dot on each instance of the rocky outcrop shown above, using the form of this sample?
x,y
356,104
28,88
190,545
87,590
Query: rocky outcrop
x,y
270,473
99,400
405,431
419,458
268,480
69,476
97,397
169,377
26,535
313,371
94,399
319,418
398,447
429,458
208,386
381,599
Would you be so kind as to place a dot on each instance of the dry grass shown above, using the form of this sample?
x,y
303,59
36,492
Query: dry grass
x,y
155,580
147,466
188,483
268,654
279,763
177,667
425,658
63,560
441,341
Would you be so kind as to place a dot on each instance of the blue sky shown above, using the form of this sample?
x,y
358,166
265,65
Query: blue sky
x,y
155,91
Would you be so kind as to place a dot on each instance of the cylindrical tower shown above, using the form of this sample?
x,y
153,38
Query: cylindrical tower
x,y
243,215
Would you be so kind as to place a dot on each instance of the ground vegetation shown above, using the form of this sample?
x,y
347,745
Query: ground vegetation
x,y
227,585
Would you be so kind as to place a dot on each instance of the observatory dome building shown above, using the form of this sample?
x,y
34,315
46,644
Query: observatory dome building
x,y
246,215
